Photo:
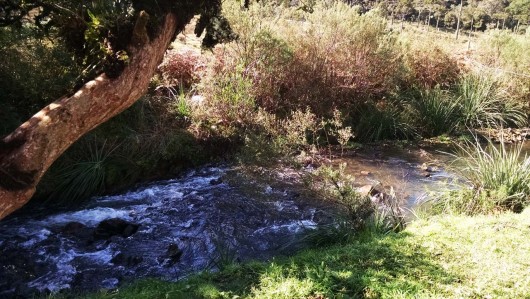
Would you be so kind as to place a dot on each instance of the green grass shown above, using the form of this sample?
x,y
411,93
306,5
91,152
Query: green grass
x,y
384,121
436,112
483,102
441,257
499,177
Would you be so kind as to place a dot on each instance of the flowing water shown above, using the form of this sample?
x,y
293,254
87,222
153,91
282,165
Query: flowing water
x,y
169,229
412,172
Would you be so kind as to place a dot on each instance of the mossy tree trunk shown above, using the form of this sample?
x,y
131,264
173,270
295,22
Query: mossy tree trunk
x,y
28,152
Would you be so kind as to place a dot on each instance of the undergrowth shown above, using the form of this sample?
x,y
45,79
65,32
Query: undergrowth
x,y
293,83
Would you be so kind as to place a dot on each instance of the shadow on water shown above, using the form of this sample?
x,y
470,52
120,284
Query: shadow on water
x,y
167,229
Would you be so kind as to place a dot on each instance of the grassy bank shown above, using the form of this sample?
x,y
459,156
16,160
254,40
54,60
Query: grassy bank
x,y
442,257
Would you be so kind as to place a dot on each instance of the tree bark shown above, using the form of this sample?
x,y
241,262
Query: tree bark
x,y
458,20
28,152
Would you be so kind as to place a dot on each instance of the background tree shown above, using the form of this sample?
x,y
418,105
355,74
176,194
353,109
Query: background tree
x,y
119,44
520,11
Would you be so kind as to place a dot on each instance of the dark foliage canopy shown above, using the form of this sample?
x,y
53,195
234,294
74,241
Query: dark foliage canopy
x,y
98,32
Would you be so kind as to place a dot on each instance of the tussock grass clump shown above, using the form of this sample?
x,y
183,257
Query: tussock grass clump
x,y
436,111
484,103
499,176
85,175
477,101
385,120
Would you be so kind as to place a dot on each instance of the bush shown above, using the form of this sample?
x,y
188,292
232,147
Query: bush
x,y
266,63
501,48
181,70
331,58
432,67
229,103
34,73
299,135
507,53
268,136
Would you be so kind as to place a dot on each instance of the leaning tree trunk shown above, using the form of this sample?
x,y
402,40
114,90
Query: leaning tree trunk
x,y
31,149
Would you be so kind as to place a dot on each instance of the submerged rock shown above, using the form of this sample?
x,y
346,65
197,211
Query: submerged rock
x,y
173,254
126,260
114,227
16,268
77,230
365,190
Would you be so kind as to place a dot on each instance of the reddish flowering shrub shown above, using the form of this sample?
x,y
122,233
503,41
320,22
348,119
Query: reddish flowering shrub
x,y
182,69
433,67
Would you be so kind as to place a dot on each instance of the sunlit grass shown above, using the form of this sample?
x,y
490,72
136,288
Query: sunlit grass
x,y
484,103
499,178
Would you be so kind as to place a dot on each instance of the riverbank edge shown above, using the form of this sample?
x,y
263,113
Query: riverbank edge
x,y
446,256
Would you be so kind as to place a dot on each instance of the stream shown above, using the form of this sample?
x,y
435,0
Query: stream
x,y
170,229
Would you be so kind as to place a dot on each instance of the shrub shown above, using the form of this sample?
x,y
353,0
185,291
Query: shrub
x,y
270,136
331,58
354,56
229,103
297,135
362,214
181,69
504,49
338,186
432,67
267,61
10,119
507,54
34,73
